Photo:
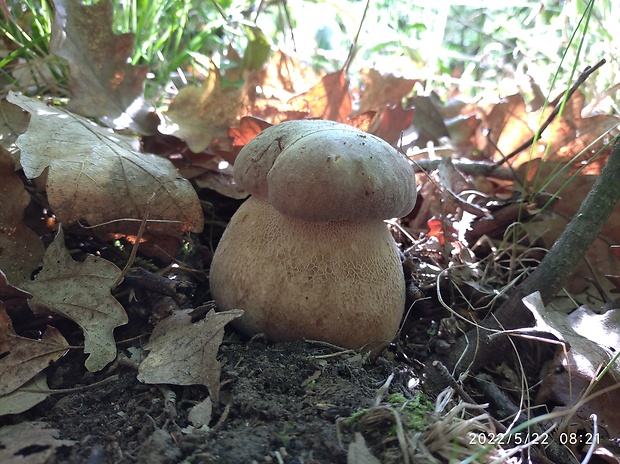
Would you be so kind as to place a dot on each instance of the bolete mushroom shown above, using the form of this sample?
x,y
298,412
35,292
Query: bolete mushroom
x,y
308,255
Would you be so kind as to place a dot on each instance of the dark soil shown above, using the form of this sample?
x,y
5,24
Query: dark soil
x,y
278,403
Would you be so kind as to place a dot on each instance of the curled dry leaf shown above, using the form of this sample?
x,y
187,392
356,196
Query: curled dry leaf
x,y
95,175
81,292
102,81
21,250
184,353
23,358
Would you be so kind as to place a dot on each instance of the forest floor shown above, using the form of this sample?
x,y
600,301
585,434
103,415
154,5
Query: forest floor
x,y
278,403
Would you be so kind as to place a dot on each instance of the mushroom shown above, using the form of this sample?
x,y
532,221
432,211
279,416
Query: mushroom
x,y
308,255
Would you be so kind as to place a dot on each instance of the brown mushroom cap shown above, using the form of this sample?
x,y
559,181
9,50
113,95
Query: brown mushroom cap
x,y
324,171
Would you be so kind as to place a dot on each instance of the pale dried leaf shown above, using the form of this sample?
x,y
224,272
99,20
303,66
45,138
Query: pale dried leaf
x,y
29,443
201,414
602,329
575,367
198,114
23,358
102,81
359,453
81,292
184,353
27,396
95,175
13,122
21,250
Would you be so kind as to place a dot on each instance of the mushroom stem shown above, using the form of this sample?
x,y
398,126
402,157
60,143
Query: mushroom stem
x,y
339,281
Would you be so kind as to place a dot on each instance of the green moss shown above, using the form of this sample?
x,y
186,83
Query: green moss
x,y
414,412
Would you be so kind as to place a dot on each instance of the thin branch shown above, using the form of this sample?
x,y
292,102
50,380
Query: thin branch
x,y
353,49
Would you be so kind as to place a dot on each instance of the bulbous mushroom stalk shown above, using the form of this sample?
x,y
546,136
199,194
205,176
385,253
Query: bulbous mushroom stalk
x,y
308,255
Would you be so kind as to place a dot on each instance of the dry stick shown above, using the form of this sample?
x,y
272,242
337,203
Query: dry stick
x,y
134,250
353,48
528,143
476,349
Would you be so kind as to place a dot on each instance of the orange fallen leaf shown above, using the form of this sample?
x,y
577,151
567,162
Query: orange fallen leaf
x,y
249,127
379,90
392,122
329,99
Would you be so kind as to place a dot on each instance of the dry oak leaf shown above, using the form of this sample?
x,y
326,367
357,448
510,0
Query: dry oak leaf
x,y
379,90
572,190
23,358
25,397
95,175
103,83
184,353
282,77
199,114
29,443
329,99
508,124
81,292
21,250
392,122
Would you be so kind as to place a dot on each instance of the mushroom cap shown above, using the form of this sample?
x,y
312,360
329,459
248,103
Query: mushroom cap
x,y
321,171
